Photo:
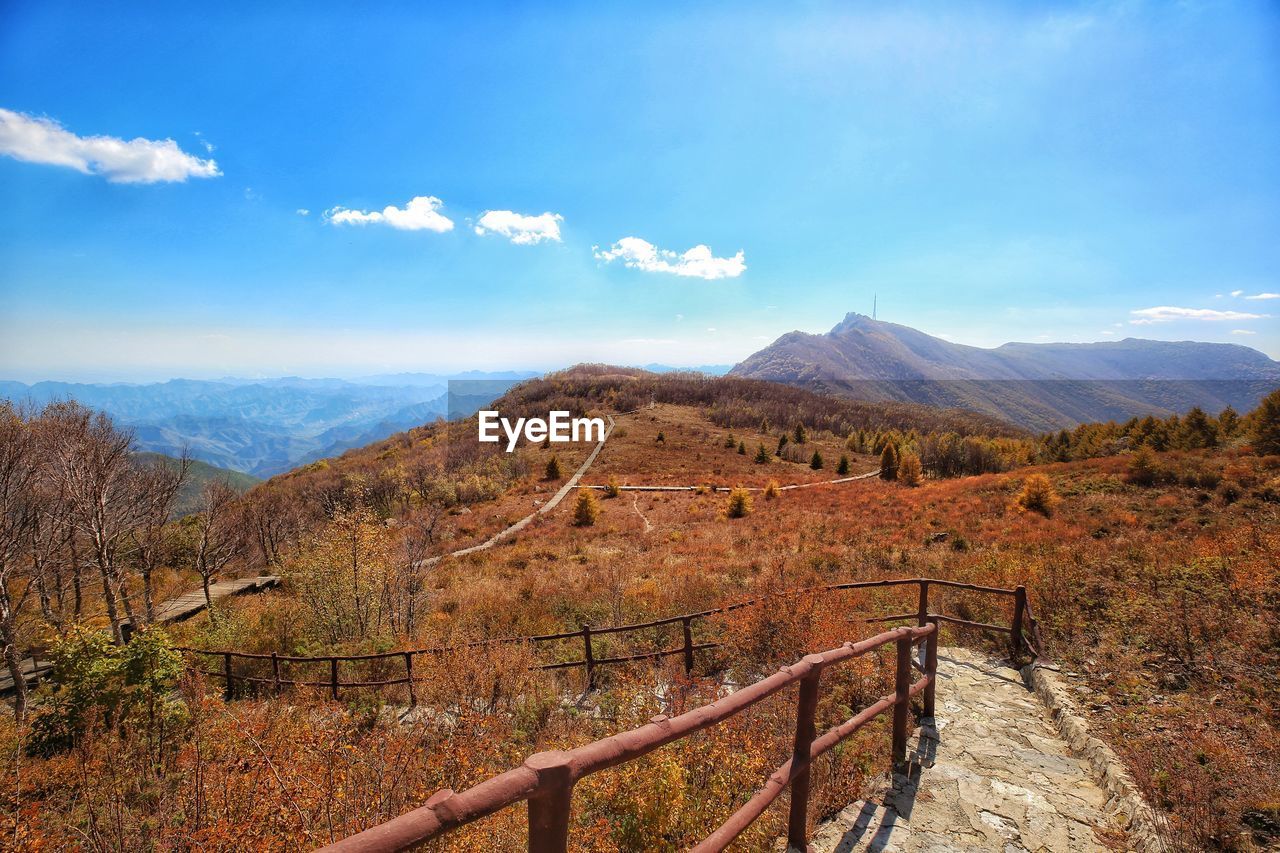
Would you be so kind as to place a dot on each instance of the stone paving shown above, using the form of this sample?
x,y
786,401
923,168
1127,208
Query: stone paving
x,y
990,773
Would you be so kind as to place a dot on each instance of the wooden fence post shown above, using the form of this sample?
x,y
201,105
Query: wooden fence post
x,y
275,670
333,677
922,612
408,674
902,701
589,656
931,667
549,807
226,674
1019,615
806,711
688,643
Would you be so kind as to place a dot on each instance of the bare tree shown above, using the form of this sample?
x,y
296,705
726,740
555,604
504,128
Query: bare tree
x,y
18,513
217,537
158,485
92,469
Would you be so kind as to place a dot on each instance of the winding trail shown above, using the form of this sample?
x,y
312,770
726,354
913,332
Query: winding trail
x,y
572,483
635,504
564,490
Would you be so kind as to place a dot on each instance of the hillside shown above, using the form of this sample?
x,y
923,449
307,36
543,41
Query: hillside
x,y
1037,386
1156,591
198,474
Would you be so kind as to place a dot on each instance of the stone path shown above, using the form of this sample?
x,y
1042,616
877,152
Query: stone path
x,y
990,773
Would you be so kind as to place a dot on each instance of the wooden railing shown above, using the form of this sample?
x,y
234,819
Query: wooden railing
x,y
546,779
1022,629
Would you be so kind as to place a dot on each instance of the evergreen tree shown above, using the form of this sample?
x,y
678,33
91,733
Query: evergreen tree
x,y
816,461
782,442
1264,434
762,456
1197,430
1228,424
553,468
742,448
662,438
843,467
730,441
910,473
800,436
889,463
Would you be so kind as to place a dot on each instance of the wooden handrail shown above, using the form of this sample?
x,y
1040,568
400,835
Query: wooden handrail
x,y
546,779
1018,630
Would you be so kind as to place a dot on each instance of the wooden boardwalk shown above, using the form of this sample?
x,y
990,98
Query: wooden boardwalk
x,y
167,612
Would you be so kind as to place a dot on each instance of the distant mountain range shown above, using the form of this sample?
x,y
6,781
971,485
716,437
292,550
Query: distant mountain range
x,y
1037,386
264,427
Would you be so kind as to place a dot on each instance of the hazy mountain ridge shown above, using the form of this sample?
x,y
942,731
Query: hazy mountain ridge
x,y
264,427
198,474
1038,386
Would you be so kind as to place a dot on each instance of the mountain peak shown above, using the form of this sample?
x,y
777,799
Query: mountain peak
x,y
1039,386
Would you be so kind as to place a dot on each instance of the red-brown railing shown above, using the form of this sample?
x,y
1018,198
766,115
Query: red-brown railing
x,y
546,779
1021,626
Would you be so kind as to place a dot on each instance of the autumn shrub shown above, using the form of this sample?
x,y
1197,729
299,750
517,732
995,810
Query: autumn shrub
x,y
613,488
1143,470
1037,495
739,503
772,490
587,508
94,680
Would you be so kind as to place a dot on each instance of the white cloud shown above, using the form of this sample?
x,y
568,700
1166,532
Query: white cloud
x,y
1168,313
136,161
698,262
520,229
712,330
1236,292
422,213
302,211
1264,296
1242,332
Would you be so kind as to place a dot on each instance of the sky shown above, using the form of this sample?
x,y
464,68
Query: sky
x,y
322,189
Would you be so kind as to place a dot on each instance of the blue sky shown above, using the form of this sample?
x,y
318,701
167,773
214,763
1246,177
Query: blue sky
x,y
994,172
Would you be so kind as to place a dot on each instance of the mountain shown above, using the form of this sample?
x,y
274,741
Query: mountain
x,y
266,426
1037,386
199,473
708,369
